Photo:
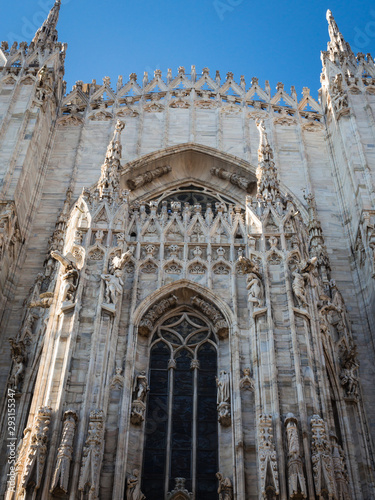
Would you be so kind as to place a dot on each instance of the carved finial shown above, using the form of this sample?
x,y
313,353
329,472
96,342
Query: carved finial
x,y
268,184
109,178
145,79
48,32
317,247
193,73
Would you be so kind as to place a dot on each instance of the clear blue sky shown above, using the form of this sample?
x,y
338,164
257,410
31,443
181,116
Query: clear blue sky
x,y
274,40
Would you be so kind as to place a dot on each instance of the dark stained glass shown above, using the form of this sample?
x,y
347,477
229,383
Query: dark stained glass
x,y
197,337
182,417
160,355
171,321
156,424
197,321
207,433
188,383
185,329
171,337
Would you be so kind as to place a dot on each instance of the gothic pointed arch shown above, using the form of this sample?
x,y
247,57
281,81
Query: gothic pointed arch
x,y
181,329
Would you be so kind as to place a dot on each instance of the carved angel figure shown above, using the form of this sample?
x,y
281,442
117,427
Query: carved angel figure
x,y
225,489
114,284
70,275
133,489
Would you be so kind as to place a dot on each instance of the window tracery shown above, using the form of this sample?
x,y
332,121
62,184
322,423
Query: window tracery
x,y
181,437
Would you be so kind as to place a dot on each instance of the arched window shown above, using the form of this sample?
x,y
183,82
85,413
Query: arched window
x,y
194,195
181,439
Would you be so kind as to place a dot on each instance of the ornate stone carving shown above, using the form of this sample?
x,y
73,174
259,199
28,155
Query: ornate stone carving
x,y
339,97
60,480
268,472
113,280
113,286
133,487
221,269
43,88
10,236
317,247
197,268
19,359
340,470
322,460
234,179
223,398
44,302
296,477
147,177
268,183
149,268
179,103
92,456
219,323
298,287
349,367
69,277
147,323
179,492
118,379
173,268
247,382
37,451
255,290
225,489
109,179
141,389
248,266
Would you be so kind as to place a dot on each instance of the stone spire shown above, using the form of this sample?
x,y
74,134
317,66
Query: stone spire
x,y
48,32
109,179
337,46
268,183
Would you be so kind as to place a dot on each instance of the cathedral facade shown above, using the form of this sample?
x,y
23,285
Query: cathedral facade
x,y
187,282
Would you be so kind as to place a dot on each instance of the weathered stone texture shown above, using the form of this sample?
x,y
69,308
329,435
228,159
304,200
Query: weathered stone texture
x,y
255,218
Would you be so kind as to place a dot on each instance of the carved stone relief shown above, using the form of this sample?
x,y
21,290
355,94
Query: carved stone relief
x,y
219,323
148,321
296,477
92,456
268,471
60,481
224,398
322,459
